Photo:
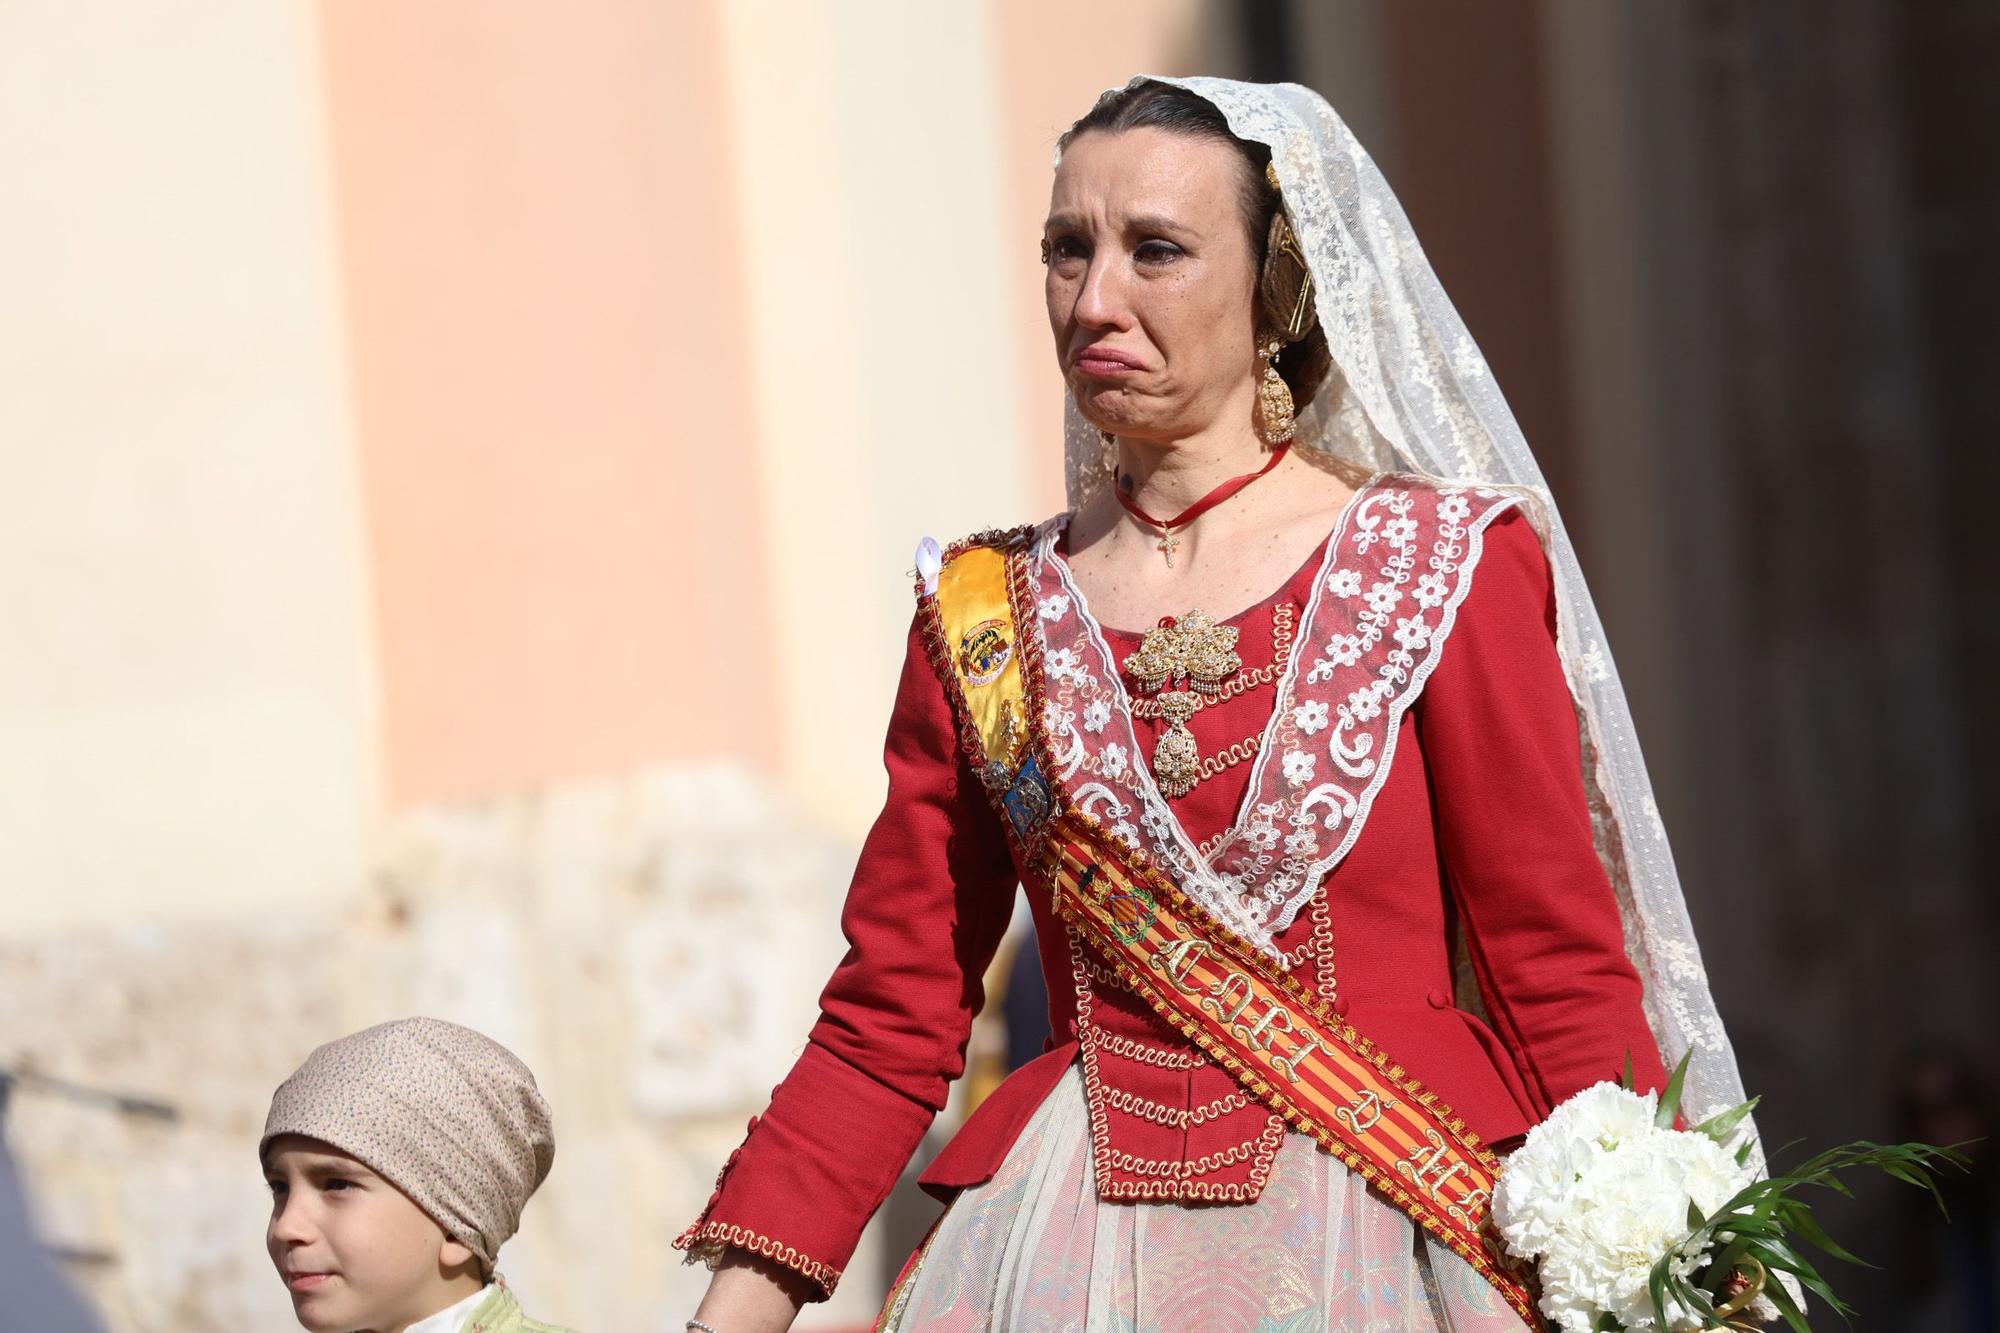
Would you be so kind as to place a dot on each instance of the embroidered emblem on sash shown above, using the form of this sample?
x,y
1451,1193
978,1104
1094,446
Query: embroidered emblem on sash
x,y
1027,800
1133,910
1283,1045
984,652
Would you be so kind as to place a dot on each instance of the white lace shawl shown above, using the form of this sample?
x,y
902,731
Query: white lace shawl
x,y
1410,392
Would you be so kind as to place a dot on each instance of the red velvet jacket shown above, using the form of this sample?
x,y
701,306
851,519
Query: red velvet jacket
x,y
1480,827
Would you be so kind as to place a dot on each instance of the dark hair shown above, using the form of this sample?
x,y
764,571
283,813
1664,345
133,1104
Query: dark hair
x,y
1166,106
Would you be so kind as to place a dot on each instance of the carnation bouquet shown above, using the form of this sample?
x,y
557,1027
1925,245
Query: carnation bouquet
x,y
1636,1225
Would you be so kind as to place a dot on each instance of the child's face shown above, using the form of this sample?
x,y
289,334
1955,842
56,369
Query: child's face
x,y
352,1249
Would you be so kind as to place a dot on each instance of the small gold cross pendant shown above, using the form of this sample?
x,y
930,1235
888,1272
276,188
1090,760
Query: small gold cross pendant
x,y
1167,544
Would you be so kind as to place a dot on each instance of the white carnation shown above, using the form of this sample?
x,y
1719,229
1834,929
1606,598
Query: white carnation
x,y
1598,1194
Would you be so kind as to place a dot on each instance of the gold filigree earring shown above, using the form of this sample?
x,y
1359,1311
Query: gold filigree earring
x,y
1275,414
1286,291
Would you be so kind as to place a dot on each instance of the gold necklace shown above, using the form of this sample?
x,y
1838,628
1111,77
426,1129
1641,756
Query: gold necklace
x,y
1283,625
1191,648
1194,650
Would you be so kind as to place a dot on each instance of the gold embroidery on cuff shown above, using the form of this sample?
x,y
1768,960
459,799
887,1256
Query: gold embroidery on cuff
x,y
705,1242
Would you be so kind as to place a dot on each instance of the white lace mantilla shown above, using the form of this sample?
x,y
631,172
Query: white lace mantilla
x,y
1395,568
1411,393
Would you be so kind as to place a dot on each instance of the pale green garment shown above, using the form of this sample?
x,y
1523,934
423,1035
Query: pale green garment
x,y
497,1312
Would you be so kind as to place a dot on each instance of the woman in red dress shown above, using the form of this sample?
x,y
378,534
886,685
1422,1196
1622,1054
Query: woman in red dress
x,y
1310,645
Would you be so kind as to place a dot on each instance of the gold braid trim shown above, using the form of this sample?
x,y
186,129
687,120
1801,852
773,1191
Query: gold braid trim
x,y
1174,1182
1103,976
1159,1113
1266,1140
1283,982
1140,1053
705,1241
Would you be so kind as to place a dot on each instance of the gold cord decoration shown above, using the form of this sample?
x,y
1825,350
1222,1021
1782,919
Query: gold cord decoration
x,y
1201,770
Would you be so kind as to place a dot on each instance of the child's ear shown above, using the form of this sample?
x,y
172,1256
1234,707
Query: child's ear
x,y
454,1255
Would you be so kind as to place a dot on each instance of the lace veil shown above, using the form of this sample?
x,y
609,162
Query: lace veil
x,y
1410,392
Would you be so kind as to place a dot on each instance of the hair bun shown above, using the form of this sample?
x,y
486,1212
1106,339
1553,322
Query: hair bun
x,y
1287,282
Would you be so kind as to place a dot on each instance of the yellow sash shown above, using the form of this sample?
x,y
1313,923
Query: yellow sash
x,y
1284,1044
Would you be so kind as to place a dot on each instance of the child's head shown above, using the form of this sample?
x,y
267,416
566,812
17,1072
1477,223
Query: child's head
x,y
355,1251
399,1160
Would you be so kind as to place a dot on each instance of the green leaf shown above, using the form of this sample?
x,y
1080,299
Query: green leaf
x,y
1903,1173
1656,1287
1805,1224
1725,1259
1762,1219
1627,1081
1723,1123
1670,1100
1693,1297
1789,1308
1775,1254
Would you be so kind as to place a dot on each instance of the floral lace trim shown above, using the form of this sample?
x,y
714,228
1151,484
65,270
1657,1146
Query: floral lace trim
x,y
705,1242
1368,718
1385,597
1087,714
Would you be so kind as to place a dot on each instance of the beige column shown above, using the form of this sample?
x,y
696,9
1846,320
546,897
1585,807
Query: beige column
x,y
186,710
882,289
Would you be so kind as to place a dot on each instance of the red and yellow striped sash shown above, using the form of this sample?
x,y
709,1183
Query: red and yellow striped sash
x,y
1283,1044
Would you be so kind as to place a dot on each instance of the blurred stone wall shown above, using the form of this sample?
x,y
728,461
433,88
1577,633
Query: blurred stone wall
x,y
653,948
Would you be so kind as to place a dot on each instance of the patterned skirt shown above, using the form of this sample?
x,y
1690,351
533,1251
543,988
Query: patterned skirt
x,y
1034,1248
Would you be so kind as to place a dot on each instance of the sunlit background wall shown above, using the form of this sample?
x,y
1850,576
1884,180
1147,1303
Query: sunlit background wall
x,y
462,463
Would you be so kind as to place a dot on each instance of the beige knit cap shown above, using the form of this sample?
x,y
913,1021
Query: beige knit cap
x,y
451,1118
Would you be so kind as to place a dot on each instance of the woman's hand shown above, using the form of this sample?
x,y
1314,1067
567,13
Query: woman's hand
x,y
750,1294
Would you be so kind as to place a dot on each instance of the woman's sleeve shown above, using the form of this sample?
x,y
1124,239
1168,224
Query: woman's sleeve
x,y
928,904
1500,738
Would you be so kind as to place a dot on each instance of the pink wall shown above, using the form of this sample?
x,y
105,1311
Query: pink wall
x,y
541,287
1054,59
